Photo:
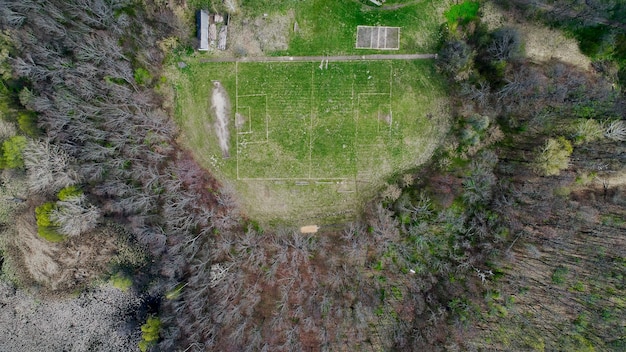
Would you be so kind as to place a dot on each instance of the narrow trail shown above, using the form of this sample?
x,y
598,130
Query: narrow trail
x,y
319,58
387,7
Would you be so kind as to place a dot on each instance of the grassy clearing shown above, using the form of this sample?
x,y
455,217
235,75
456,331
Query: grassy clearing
x,y
311,144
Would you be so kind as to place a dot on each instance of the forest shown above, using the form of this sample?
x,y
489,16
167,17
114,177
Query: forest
x,y
114,238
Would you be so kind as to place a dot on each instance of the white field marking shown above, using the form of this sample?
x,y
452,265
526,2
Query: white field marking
x,y
355,116
322,64
385,44
311,124
267,122
390,93
378,119
236,106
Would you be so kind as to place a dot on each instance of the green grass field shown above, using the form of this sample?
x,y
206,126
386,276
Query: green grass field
x,y
311,144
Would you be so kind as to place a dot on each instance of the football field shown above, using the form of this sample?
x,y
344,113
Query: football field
x,y
310,141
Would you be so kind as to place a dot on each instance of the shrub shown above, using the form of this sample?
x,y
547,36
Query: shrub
x,y
506,44
46,228
588,130
462,13
558,277
69,192
121,281
142,76
12,152
554,156
454,58
479,122
27,122
149,333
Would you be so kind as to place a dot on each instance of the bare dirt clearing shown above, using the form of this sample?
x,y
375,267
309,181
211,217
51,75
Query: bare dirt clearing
x,y
309,229
220,106
541,43
262,34
59,266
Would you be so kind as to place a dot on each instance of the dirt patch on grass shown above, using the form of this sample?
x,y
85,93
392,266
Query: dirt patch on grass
x,y
541,43
240,121
58,267
261,35
220,106
309,229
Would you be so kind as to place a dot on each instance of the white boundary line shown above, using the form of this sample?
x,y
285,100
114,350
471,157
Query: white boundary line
x,y
236,107
390,96
311,122
267,132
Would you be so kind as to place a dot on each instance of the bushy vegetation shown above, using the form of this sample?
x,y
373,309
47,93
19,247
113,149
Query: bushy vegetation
x,y
46,227
149,333
121,281
558,130
12,152
554,156
462,13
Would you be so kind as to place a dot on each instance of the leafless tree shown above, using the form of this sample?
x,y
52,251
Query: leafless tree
x,y
506,44
49,167
616,130
75,216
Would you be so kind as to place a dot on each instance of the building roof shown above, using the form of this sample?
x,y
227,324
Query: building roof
x,y
203,30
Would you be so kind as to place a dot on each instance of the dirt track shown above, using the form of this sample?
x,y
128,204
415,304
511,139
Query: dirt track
x,y
319,58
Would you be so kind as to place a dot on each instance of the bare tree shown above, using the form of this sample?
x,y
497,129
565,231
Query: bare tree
x,y
75,216
506,44
616,130
49,167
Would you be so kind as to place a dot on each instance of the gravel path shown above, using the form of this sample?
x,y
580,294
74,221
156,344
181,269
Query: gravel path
x,y
319,58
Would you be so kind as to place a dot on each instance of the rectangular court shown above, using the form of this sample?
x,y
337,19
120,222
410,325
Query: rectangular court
x,y
378,37
312,123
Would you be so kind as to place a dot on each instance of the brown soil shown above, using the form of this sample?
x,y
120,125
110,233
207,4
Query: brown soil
x,y
58,267
240,121
261,35
309,229
220,106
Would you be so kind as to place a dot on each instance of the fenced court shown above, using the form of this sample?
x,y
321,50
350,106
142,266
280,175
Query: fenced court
x,y
378,37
